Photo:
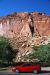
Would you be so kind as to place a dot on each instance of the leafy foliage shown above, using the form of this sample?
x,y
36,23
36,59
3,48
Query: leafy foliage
x,y
41,52
6,51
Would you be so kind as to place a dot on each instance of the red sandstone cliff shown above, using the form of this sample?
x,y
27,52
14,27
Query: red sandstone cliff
x,y
21,23
25,29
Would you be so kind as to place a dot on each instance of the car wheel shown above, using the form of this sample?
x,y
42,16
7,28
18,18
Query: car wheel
x,y
35,71
17,71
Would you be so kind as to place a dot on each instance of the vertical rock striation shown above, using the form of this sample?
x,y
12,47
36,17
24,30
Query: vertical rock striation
x,y
24,29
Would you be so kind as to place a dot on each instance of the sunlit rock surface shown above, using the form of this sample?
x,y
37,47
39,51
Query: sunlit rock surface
x,y
25,29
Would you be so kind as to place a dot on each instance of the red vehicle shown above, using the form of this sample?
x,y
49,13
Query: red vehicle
x,y
27,67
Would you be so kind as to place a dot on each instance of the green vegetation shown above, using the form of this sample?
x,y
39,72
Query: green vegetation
x,y
6,52
41,53
2,69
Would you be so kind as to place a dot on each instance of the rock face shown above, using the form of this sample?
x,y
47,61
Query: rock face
x,y
41,24
25,24
25,29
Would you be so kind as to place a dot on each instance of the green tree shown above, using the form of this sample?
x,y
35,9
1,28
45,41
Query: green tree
x,y
41,53
6,52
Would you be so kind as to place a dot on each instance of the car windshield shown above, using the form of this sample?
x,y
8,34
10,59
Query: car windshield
x,y
26,64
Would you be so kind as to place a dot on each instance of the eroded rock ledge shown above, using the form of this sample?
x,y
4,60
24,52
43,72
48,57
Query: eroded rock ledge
x,y
25,29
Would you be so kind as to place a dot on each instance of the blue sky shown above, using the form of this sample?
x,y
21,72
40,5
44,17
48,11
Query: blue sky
x,y
10,6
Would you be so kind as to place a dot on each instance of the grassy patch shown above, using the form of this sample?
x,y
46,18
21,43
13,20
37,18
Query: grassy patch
x,y
2,69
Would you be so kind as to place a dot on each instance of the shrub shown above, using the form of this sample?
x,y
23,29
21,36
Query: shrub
x,y
41,53
6,52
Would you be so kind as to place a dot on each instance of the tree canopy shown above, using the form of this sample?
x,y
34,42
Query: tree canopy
x,y
6,52
41,53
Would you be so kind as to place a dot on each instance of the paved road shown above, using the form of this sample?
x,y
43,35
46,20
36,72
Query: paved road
x,y
11,73
44,71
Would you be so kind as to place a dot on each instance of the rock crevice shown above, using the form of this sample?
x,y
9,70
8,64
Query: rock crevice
x,y
25,29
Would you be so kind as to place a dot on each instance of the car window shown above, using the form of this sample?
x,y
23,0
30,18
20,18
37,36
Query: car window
x,y
26,65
